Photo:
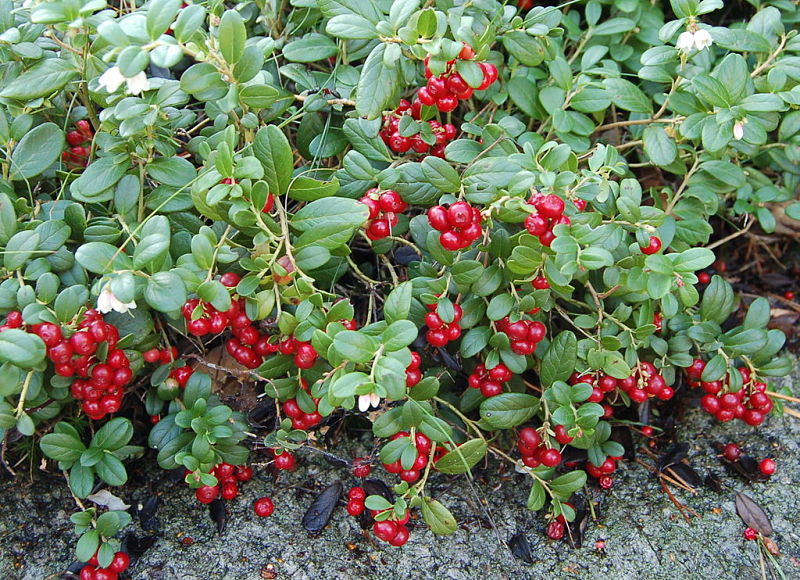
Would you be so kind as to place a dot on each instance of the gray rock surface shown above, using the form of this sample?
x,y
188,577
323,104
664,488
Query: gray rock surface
x,y
645,535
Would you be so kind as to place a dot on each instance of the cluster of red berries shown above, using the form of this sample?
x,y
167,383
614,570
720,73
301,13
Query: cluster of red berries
x,y
355,501
733,452
423,445
301,419
645,382
441,332
98,383
490,381
549,213
413,372
394,532
533,450
383,209
459,224
390,133
751,403
601,384
524,335
444,91
248,346
228,479
93,571
603,472
78,154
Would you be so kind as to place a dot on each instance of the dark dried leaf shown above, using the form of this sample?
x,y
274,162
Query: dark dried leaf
x,y
673,455
753,515
622,435
147,513
714,482
218,514
521,548
136,546
378,487
685,474
319,514
577,527
449,360
404,255
374,487
262,415
73,570
747,467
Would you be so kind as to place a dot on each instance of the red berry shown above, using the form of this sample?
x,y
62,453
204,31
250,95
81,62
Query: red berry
x,y
243,473
355,508
732,452
561,434
489,75
767,466
357,493
384,530
85,128
605,482
555,530
206,493
269,203
703,277
789,295
361,467
425,97
551,206
264,507
284,461
500,373
437,217
230,279
750,534
437,338
653,246
466,53
529,438
230,490
105,574
459,214
401,537
550,457
74,138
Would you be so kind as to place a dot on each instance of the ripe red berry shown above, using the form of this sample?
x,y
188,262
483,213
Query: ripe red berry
x,y
529,437
357,493
120,562
74,138
750,534
355,508
361,467
385,530
264,507
284,461
551,206
206,493
605,482
466,53
732,452
653,246
555,530
243,473
789,295
550,457
703,277
230,279
767,466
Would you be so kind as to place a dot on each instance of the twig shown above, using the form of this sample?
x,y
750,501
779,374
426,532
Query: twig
x,y
732,236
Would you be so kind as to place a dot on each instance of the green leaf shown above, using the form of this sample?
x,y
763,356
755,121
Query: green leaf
x,y
398,303
355,346
346,385
102,258
308,189
508,410
232,36
331,211
81,480
36,151
111,470
19,249
758,314
160,14
660,147
43,79
351,27
692,259
21,348
462,458
62,447
310,48
272,149
97,181
87,545
718,301
474,341
8,218
376,85
559,361
625,95
438,517
441,174
567,484
399,334
537,496
114,434
165,292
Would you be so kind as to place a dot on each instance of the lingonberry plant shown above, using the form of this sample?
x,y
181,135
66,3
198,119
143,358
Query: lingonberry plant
x,y
432,216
